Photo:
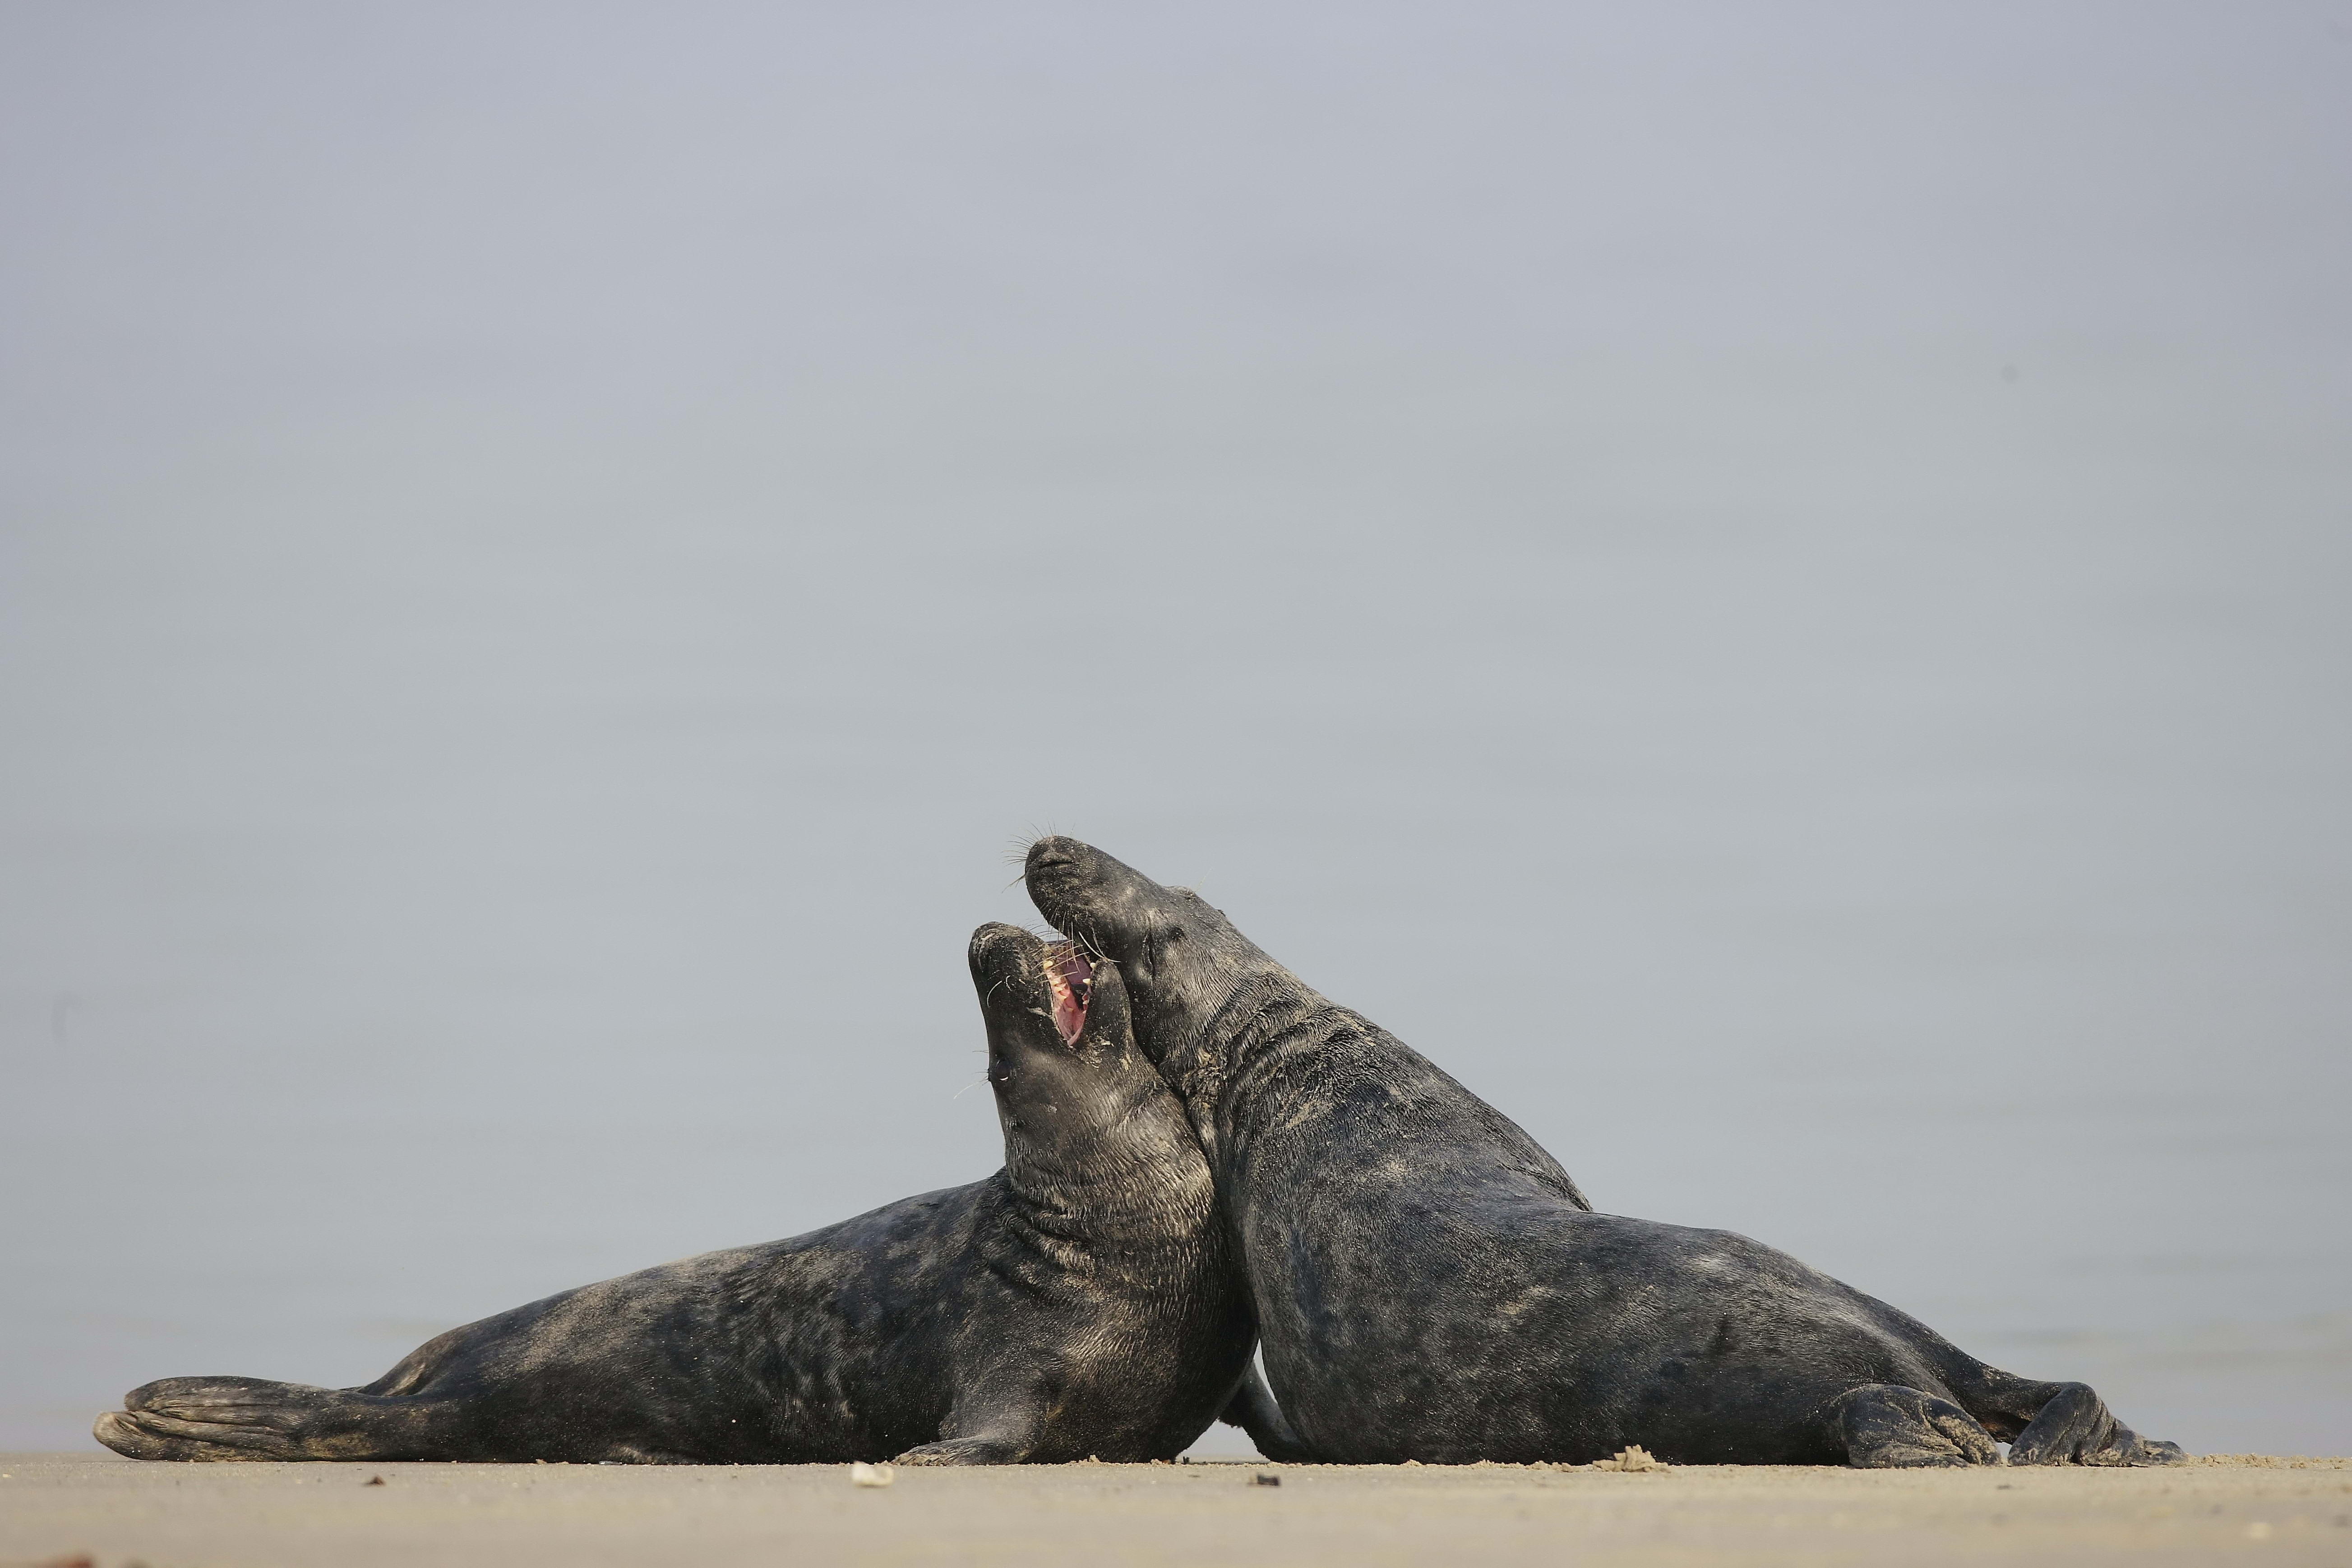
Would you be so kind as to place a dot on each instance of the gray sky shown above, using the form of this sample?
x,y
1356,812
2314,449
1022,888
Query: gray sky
x,y
1766,584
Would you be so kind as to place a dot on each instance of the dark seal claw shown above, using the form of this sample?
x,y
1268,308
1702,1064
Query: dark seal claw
x,y
1078,1302
1430,1285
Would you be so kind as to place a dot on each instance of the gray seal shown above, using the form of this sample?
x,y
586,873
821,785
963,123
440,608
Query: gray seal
x,y
1078,1302
1431,1285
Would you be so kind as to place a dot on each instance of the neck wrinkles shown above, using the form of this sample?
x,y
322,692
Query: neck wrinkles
x,y
1230,1034
1133,1177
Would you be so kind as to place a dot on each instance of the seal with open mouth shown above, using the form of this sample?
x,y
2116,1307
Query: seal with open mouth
x,y
1078,1302
1430,1285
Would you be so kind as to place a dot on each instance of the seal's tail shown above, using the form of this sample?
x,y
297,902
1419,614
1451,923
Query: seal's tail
x,y
252,1418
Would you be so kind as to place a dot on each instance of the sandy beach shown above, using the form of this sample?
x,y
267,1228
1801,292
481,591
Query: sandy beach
x,y
60,1507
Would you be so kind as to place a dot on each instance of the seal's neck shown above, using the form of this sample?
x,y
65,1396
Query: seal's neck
x,y
1223,1035
1135,1176
1271,1054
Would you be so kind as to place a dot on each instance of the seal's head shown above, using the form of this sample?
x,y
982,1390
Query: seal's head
x,y
1178,956
1061,1052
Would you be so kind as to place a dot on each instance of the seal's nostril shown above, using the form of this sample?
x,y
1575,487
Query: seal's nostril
x,y
1052,854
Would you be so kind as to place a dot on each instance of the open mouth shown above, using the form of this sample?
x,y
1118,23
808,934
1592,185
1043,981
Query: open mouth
x,y
1070,980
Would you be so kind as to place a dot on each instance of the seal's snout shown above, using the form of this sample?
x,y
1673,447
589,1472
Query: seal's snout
x,y
1067,879
1052,852
984,954
1006,967
1016,970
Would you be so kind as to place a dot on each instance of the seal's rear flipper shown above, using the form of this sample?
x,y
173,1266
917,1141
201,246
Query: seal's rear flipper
x,y
1890,1428
215,1418
2075,1428
1254,1410
2049,1423
152,1438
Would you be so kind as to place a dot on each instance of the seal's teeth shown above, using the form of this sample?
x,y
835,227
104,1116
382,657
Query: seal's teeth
x,y
1068,982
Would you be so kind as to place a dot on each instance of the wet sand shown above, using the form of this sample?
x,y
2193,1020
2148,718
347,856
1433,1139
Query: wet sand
x,y
57,1507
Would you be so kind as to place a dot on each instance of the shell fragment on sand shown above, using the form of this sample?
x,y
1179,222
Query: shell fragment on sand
x,y
1635,1458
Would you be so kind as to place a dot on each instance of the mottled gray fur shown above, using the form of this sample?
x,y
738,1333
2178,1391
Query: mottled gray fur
x,y
1431,1285
1080,1301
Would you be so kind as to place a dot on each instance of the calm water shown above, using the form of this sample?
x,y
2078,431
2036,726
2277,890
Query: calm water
x,y
422,901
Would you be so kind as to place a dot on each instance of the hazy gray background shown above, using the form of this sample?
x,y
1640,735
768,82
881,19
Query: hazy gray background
x,y
1766,584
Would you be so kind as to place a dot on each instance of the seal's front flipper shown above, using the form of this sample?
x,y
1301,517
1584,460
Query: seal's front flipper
x,y
981,1450
1254,1410
2075,1428
232,1418
1891,1428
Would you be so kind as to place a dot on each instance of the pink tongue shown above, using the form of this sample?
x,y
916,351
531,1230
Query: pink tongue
x,y
1066,973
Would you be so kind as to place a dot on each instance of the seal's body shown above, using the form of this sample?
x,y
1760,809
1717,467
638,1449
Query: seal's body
x,y
1080,1301
1431,1285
